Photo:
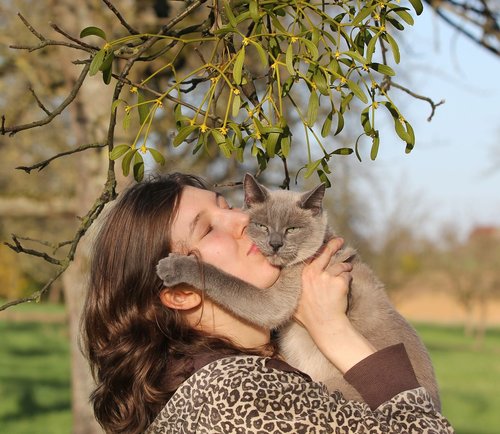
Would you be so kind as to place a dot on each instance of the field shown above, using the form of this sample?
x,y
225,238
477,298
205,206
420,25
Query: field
x,y
35,375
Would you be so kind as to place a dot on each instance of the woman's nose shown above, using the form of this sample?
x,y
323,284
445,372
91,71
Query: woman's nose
x,y
237,222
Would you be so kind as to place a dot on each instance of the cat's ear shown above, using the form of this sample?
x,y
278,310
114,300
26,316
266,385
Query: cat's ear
x,y
313,199
254,192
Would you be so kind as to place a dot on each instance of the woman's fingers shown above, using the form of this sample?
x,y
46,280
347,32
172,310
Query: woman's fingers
x,y
323,259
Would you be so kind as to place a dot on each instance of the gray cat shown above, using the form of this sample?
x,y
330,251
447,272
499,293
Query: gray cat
x,y
289,227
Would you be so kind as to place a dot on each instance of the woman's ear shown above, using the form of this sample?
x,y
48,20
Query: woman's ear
x,y
180,298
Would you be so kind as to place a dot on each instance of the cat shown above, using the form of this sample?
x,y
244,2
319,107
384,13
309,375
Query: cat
x,y
289,227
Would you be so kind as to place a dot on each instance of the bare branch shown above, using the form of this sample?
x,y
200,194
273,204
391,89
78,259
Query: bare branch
x,y
40,104
124,23
423,98
42,164
30,27
72,38
54,246
68,100
36,296
18,248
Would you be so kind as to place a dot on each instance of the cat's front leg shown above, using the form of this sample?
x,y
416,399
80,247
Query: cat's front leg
x,y
176,269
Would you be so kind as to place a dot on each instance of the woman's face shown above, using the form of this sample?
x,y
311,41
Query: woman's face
x,y
206,223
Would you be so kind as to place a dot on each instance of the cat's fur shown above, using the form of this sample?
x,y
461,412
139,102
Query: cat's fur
x,y
289,227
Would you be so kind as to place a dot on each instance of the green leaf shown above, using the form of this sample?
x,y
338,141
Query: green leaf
x,y
272,140
158,156
355,56
286,143
394,46
118,151
340,123
126,121
365,120
410,145
394,22
229,14
107,67
313,49
405,16
357,91
343,151
138,167
311,167
184,132
127,160
238,66
97,61
236,105
218,137
327,125
262,54
142,108
312,108
362,14
116,103
370,49
417,5
93,31
254,10
375,145
289,59
401,131
383,69
320,82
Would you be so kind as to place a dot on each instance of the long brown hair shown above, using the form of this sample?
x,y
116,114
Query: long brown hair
x,y
128,336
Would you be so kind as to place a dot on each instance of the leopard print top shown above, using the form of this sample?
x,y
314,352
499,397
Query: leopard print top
x,y
242,395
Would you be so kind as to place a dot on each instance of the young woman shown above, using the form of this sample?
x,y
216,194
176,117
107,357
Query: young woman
x,y
168,360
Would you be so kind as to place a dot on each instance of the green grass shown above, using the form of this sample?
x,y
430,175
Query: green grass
x,y
469,377
35,386
35,377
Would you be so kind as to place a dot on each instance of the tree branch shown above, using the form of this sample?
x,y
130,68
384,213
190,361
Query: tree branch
x,y
42,164
417,96
124,23
69,99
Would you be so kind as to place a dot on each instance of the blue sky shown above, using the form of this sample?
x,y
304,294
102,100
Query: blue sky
x,y
454,170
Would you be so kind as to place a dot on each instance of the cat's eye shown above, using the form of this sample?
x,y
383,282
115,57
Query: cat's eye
x,y
292,230
261,226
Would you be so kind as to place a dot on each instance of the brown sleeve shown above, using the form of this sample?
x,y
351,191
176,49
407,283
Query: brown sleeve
x,y
382,375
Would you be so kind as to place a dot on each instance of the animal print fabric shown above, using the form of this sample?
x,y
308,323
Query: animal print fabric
x,y
241,395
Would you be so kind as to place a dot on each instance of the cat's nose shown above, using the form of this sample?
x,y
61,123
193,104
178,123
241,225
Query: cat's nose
x,y
276,244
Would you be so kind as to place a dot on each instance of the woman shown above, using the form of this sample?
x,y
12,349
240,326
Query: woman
x,y
168,360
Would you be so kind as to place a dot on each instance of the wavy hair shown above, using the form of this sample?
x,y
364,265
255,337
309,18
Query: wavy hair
x,y
137,348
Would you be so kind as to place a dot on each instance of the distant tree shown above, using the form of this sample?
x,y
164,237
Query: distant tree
x,y
472,268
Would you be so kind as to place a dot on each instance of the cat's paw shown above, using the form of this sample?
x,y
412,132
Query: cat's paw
x,y
175,269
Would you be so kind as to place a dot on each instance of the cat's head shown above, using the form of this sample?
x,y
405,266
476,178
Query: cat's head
x,y
287,227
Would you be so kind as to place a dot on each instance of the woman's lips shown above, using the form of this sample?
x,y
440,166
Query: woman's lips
x,y
253,249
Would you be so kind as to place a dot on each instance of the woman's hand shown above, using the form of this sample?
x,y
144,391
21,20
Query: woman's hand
x,y
324,290
322,309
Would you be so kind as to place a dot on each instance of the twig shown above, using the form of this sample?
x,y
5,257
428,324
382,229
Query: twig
x,y
40,104
38,294
54,246
18,248
423,98
124,23
42,164
72,38
30,27
68,100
